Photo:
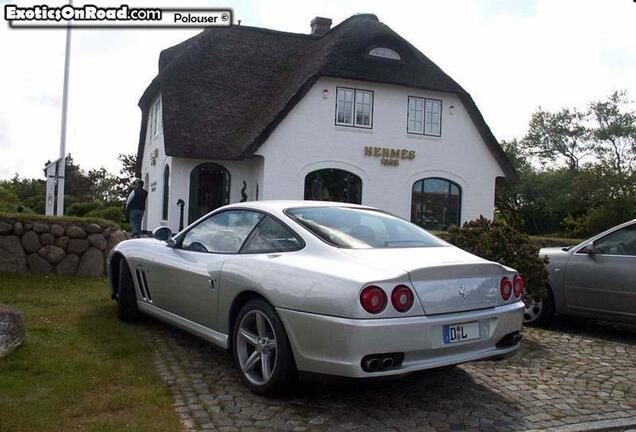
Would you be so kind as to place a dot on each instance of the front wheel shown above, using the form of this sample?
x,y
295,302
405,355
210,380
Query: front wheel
x,y
261,349
538,312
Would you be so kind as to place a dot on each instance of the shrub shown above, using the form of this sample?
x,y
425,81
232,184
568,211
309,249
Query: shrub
x,y
83,208
114,214
499,242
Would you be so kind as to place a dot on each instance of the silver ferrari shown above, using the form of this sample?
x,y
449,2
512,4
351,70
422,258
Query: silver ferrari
x,y
329,288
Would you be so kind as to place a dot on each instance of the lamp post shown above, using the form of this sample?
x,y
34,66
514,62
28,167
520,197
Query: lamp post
x,y
61,168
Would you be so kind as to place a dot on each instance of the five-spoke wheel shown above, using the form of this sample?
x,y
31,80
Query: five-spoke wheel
x,y
261,349
256,347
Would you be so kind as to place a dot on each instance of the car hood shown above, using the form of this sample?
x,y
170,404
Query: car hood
x,y
551,251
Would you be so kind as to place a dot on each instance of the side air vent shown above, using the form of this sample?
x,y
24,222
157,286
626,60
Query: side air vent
x,y
143,285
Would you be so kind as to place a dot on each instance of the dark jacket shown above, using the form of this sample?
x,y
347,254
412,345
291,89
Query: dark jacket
x,y
138,201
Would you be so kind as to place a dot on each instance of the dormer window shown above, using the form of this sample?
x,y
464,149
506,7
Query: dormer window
x,y
384,53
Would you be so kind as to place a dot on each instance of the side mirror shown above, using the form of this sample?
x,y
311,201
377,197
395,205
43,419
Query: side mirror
x,y
588,249
163,234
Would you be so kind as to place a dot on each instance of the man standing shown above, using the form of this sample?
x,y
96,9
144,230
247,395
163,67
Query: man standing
x,y
135,207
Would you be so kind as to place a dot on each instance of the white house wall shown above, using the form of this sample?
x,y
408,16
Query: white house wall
x,y
308,139
152,217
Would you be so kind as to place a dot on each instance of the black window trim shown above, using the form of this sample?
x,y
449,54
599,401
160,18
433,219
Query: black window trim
x,y
165,194
181,236
450,183
441,112
355,98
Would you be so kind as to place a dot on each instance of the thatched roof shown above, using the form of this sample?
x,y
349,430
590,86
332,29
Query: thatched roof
x,y
226,89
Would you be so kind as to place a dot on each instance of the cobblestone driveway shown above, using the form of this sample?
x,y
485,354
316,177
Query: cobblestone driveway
x,y
574,373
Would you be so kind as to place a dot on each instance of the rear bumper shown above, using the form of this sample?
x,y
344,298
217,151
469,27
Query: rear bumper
x,y
336,346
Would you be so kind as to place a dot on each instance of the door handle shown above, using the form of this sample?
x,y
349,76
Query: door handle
x,y
211,284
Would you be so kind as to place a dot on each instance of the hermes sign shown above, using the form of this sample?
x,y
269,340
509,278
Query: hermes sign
x,y
389,156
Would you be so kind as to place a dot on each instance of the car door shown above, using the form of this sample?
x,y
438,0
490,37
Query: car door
x,y
187,276
601,277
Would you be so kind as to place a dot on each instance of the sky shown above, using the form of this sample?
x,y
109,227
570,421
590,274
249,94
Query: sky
x,y
512,56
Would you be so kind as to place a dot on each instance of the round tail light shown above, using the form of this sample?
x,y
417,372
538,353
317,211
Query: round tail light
x,y
402,298
518,286
506,288
373,299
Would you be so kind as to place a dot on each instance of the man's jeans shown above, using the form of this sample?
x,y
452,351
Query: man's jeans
x,y
135,221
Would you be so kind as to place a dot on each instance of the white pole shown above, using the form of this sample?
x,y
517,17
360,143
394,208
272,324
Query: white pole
x,y
62,164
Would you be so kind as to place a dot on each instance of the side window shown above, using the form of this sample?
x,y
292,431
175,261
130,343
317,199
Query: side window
x,y
621,242
221,233
271,236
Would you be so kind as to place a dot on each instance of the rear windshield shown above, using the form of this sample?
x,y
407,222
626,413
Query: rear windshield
x,y
356,228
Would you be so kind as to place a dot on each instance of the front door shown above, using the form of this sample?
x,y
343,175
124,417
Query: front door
x,y
209,190
604,280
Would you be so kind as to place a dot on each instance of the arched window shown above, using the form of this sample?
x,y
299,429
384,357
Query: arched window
x,y
384,53
436,203
166,193
144,224
333,184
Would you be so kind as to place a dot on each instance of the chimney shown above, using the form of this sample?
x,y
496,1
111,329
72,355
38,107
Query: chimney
x,y
320,25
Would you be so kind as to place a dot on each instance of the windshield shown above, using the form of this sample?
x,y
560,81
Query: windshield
x,y
356,228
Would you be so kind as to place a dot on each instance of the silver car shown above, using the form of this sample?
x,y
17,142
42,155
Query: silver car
x,y
328,288
595,279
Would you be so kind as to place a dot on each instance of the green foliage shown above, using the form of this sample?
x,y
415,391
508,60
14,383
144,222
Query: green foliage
x,y
84,191
115,214
8,200
61,220
82,208
559,135
499,242
575,199
615,132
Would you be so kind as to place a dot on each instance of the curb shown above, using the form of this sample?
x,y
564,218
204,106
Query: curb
x,y
600,425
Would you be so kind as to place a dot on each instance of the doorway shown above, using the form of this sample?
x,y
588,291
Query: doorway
x,y
209,190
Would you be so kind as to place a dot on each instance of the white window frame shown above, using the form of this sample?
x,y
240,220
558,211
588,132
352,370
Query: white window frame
x,y
155,119
428,124
384,52
357,94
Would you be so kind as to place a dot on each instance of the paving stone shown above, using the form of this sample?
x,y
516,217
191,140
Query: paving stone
x,y
573,373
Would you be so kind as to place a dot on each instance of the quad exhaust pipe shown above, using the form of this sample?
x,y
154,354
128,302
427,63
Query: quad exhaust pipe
x,y
382,362
373,364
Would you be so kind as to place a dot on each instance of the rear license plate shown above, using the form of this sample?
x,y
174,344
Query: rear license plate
x,y
461,332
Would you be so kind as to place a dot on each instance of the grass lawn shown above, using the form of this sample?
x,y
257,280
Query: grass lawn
x,y
79,368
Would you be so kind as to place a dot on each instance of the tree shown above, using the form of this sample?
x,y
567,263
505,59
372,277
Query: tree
x,y
508,197
615,131
559,136
127,173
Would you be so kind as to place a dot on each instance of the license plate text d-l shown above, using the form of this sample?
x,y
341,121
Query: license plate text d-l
x,y
460,332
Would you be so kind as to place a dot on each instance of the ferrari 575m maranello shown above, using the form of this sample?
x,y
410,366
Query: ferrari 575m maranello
x,y
328,288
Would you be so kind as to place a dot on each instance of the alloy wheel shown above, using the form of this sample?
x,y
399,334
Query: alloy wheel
x,y
256,347
532,311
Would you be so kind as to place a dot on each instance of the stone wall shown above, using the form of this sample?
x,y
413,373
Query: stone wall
x,y
56,246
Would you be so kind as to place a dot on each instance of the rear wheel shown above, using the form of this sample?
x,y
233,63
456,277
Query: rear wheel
x,y
261,349
539,312
127,309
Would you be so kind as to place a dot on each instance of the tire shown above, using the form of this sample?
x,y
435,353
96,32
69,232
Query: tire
x,y
256,326
539,313
127,309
